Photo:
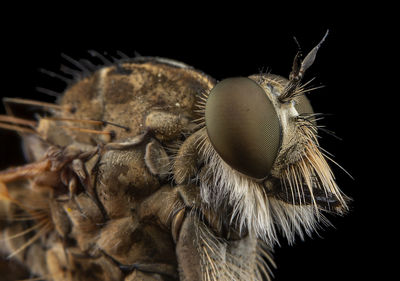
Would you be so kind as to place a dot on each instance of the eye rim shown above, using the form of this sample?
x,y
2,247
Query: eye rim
x,y
276,133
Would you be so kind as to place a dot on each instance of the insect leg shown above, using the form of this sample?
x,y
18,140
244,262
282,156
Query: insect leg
x,y
26,171
185,165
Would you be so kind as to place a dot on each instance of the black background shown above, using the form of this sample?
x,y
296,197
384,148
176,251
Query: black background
x,y
233,45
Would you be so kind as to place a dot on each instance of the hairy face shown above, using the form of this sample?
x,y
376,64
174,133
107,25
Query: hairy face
x,y
262,159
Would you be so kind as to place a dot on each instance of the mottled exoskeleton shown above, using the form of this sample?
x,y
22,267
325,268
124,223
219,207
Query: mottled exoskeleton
x,y
147,169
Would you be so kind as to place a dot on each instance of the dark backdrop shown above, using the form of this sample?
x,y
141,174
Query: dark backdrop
x,y
237,47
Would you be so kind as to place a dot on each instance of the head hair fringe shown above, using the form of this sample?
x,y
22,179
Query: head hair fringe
x,y
251,209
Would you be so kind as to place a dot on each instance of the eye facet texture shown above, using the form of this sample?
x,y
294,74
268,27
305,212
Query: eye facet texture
x,y
303,105
243,126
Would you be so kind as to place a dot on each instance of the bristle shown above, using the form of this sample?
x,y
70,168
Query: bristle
x,y
102,58
57,76
4,195
200,104
89,131
122,55
87,121
200,119
69,71
77,64
26,231
251,208
312,170
203,99
307,177
46,228
48,92
93,122
35,103
17,128
218,263
337,164
28,217
16,120
26,171
89,65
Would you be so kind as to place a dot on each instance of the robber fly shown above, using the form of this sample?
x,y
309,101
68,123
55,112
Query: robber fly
x,y
148,169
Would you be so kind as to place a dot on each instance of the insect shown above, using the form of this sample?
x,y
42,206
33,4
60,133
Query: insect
x,y
148,169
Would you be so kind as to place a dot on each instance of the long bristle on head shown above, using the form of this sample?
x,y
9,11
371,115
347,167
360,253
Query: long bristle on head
x,y
311,173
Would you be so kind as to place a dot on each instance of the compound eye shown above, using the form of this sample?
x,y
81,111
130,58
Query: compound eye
x,y
303,105
243,126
